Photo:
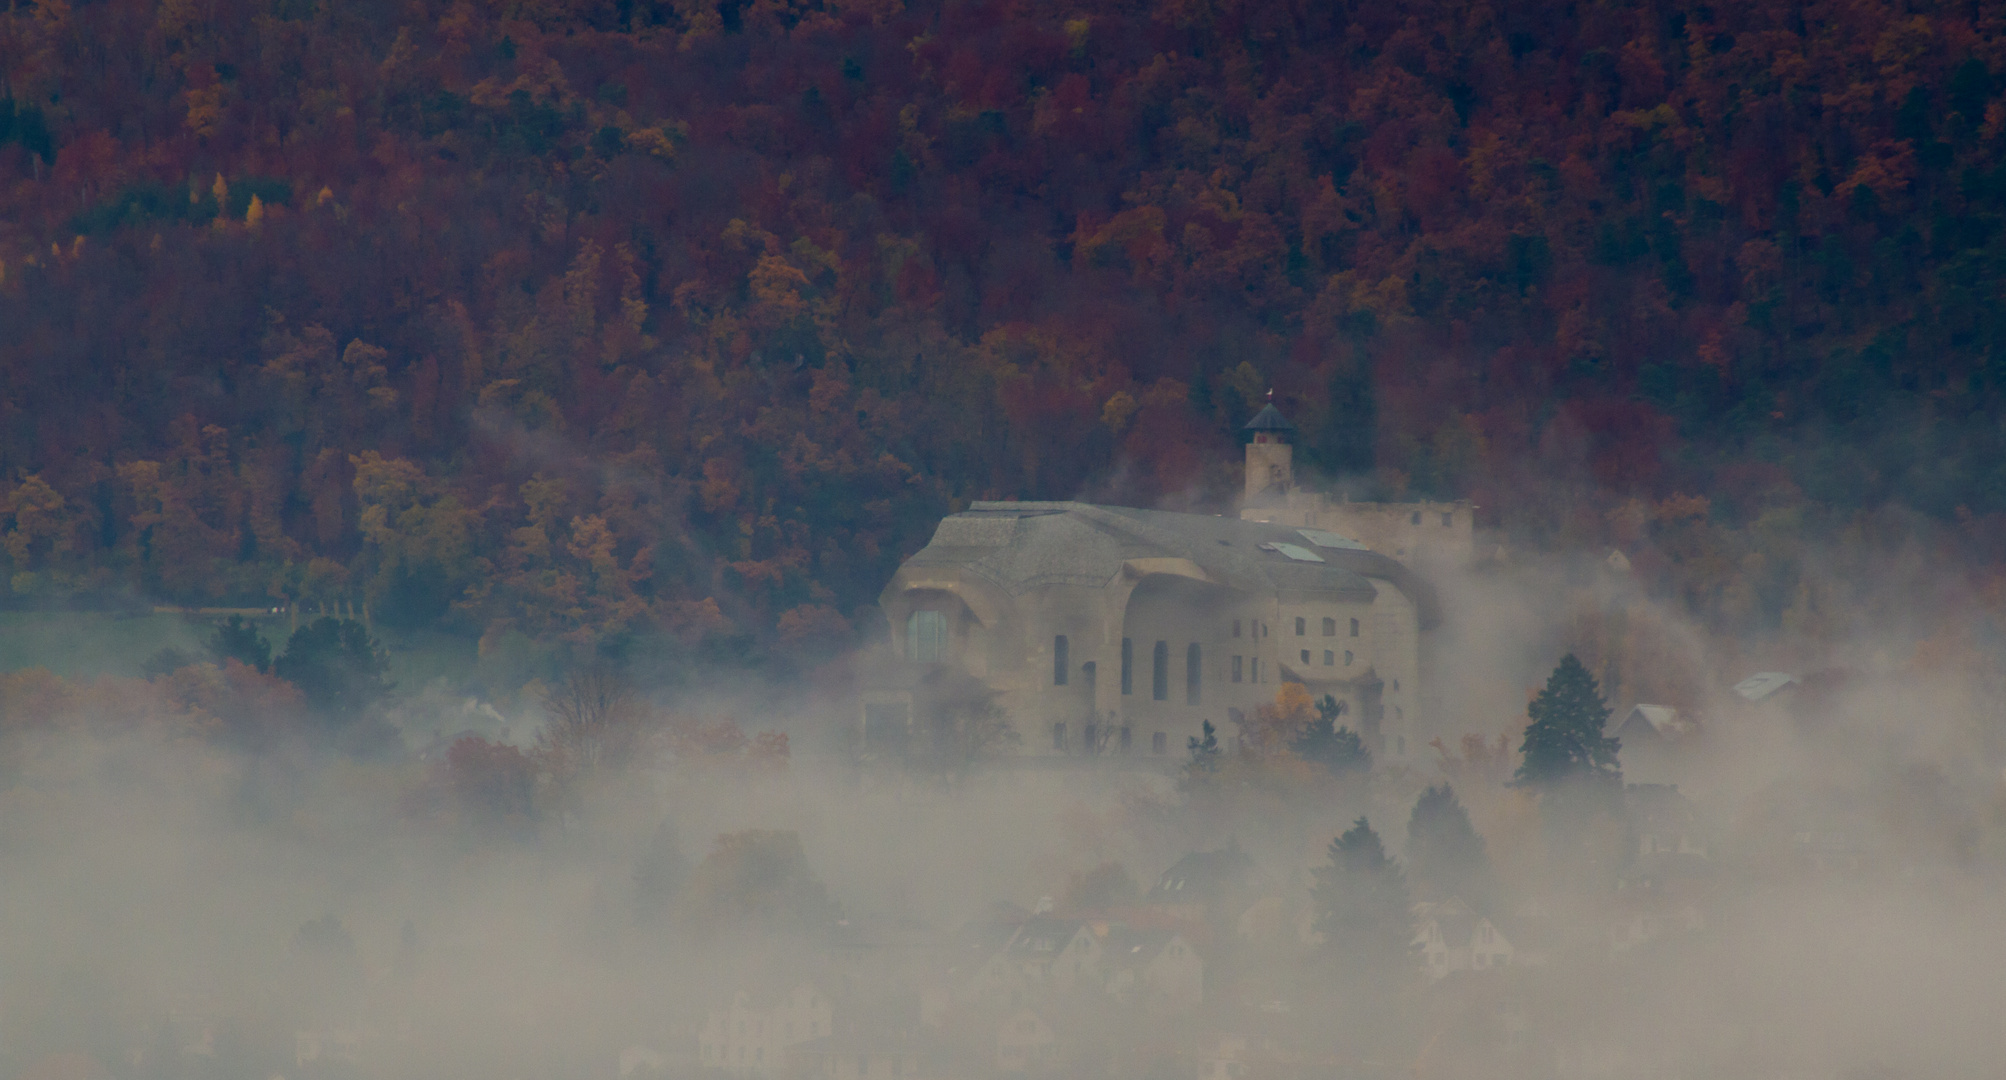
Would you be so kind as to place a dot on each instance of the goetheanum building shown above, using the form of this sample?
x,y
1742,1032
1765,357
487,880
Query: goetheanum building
x,y
1102,629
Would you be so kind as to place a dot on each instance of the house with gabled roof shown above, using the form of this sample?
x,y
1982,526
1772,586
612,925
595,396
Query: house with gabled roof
x,y
1450,938
1157,969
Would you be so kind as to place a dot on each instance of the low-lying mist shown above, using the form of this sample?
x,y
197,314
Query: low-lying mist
x,y
183,900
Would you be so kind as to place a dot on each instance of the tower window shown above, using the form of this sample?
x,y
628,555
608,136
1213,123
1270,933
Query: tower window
x,y
1329,658
1236,628
1194,673
1354,628
1329,627
1127,666
1236,669
1059,660
926,637
1301,627
1347,658
1305,656
1159,675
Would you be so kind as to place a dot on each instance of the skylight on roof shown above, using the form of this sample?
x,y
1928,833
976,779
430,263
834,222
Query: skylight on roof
x,y
1324,538
1293,551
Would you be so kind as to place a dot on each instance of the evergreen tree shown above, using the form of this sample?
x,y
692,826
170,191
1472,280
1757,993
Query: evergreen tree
x,y
337,666
1338,749
1204,752
1360,903
238,640
1564,743
1445,854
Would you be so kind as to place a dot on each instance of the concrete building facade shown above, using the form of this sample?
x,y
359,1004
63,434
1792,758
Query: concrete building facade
x,y
1112,630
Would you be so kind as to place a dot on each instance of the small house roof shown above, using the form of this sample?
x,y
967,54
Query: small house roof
x,y
1661,719
1763,684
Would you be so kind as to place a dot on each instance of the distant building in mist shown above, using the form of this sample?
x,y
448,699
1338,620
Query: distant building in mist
x,y
1100,630
754,1035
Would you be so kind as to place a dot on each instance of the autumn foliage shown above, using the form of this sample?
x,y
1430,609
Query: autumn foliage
x,y
590,322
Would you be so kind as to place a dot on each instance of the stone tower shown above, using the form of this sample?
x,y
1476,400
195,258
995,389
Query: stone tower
x,y
1270,457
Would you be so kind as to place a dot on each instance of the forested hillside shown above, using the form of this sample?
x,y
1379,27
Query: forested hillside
x,y
590,319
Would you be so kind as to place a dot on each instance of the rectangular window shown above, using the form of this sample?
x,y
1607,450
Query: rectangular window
x,y
1416,519
1354,628
1329,627
1193,673
1127,666
1058,736
1329,658
1236,628
1159,674
1157,742
1347,658
1124,740
1301,627
1236,669
1059,660
1253,669
1448,520
926,637
1305,656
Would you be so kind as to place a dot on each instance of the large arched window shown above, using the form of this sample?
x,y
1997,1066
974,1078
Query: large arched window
x,y
926,637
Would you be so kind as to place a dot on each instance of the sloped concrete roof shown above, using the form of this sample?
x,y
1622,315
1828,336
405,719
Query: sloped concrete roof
x,y
1019,546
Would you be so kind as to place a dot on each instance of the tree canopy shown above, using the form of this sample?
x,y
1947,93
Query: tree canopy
x,y
1323,742
685,322
1564,742
1360,902
1446,859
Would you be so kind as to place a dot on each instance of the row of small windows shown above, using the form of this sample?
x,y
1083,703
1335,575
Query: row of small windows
x,y
1329,657
1094,733
1448,519
1329,627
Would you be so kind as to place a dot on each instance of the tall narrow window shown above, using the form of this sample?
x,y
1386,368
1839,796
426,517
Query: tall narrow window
x,y
1305,656
1124,739
1059,660
1159,675
1157,742
1127,666
1058,736
1090,674
1329,627
1194,673
1301,627
1236,669
1329,658
1236,628
1354,628
926,637
1347,658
